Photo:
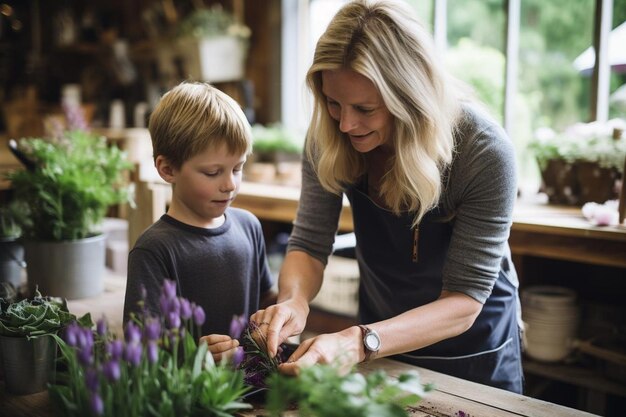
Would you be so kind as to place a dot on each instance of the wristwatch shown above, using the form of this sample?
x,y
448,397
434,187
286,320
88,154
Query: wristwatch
x,y
371,342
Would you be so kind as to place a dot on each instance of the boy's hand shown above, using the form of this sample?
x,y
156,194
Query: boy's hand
x,y
221,346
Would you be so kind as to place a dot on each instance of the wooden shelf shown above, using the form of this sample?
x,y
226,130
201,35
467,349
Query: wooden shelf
x,y
575,375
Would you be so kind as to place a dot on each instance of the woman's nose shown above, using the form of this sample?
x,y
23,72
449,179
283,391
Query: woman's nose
x,y
347,121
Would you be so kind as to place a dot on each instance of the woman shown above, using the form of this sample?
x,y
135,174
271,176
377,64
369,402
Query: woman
x,y
431,181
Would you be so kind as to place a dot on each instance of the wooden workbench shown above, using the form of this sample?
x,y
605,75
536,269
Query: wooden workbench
x,y
450,398
543,230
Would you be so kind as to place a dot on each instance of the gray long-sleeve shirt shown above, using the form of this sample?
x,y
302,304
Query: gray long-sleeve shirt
x,y
479,195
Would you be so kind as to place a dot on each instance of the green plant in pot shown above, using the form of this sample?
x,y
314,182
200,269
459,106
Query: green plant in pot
x,y
28,351
581,164
11,249
68,185
213,44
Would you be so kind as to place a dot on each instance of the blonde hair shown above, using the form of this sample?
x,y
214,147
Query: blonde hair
x,y
383,41
192,117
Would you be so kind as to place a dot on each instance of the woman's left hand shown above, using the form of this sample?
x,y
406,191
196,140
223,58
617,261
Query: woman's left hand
x,y
344,348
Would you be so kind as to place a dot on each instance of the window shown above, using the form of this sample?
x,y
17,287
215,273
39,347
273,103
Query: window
x,y
520,56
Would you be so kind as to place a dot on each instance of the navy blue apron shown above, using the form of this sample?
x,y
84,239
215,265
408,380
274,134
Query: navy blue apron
x,y
401,269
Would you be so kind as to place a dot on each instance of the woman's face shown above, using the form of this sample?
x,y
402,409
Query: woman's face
x,y
355,103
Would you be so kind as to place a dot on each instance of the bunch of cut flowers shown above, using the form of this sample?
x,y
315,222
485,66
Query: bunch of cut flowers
x,y
157,370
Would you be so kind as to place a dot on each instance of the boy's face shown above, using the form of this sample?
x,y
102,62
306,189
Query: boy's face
x,y
205,185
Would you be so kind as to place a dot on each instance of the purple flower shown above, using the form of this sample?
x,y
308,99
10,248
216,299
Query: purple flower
x,y
101,327
152,329
238,356
91,379
198,315
132,353
237,326
97,406
84,338
84,356
169,288
111,370
132,333
71,333
185,309
152,351
173,320
115,348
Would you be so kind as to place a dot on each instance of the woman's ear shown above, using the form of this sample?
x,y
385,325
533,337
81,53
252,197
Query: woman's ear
x,y
165,169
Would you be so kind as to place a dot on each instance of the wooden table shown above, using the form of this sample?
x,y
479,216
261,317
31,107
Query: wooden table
x,y
450,397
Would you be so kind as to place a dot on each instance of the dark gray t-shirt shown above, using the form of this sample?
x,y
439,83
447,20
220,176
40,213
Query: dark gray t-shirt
x,y
224,269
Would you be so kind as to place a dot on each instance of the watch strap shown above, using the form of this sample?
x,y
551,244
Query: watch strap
x,y
364,333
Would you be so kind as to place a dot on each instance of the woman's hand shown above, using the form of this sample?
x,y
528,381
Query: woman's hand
x,y
280,321
220,346
344,348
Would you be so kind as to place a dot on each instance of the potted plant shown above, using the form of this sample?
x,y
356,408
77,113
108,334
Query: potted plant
x,y
27,349
581,164
213,44
158,369
67,187
11,249
276,154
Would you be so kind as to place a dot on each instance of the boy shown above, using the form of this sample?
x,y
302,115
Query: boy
x,y
214,253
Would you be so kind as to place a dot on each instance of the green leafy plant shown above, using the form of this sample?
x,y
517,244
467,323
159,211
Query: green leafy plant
x,y
72,182
11,216
31,318
157,370
275,138
321,390
210,22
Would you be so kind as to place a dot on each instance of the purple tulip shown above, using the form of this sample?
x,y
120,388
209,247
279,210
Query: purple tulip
x,y
169,288
152,328
174,306
111,370
85,356
91,379
101,327
173,320
84,338
164,303
238,356
71,333
115,348
97,406
198,315
132,353
185,309
132,333
237,326
152,351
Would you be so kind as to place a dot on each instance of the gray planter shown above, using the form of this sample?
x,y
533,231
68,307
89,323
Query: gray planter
x,y
28,365
11,261
69,269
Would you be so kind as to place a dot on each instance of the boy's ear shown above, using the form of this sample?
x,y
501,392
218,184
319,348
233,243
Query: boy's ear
x,y
165,169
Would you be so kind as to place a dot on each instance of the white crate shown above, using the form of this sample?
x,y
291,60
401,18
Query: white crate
x,y
340,290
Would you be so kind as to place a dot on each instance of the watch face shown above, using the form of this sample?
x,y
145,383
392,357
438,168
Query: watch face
x,y
372,342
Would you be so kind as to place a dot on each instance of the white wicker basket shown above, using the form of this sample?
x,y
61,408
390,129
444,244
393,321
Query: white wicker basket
x,y
340,290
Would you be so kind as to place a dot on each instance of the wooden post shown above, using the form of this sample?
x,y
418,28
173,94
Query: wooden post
x,y
622,197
